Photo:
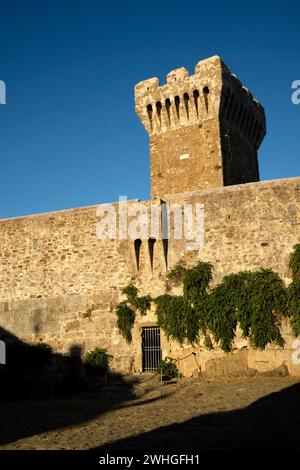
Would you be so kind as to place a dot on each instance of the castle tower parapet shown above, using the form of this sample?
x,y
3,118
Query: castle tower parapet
x,y
204,129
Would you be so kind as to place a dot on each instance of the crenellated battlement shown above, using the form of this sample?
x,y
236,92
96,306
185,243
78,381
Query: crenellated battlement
x,y
204,115
188,99
182,101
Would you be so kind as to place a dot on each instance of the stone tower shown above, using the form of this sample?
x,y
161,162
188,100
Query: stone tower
x,y
204,129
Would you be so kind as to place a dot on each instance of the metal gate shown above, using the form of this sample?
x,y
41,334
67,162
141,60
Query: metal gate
x,y
151,348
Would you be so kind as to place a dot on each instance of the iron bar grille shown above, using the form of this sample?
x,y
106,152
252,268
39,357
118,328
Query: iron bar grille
x,y
151,348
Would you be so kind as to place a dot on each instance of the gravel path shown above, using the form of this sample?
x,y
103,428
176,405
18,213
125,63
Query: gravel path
x,y
203,414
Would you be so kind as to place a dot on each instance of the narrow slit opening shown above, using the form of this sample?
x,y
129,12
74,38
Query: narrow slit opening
x,y
177,105
158,110
165,243
168,106
196,100
151,243
206,93
186,103
137,249
150,115
165,231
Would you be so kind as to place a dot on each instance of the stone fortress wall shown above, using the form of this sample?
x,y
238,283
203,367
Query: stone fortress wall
x,y
54,269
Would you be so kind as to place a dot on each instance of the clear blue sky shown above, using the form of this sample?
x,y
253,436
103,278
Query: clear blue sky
x,y
69,135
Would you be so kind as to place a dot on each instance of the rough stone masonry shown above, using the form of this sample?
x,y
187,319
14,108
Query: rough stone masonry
x,y
204,131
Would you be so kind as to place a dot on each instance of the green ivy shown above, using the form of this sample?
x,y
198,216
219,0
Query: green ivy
x,y
221,312
131,293
142,304
294,263
177,318
255,300
262,305
126,310
98,359
195,291
196,281
168,369
176,274
125,320
293,293
293,301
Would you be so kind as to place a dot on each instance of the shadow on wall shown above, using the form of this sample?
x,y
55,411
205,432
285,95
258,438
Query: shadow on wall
x,y
35,372
270,423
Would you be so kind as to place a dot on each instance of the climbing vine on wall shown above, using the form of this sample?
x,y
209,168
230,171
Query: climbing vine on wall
x,y
196,291
126,310
125,320
294,263
176,274
293,293
257,301
177,318
140,303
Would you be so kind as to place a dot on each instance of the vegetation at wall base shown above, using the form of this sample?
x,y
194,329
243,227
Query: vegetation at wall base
x,y
98,360
167,369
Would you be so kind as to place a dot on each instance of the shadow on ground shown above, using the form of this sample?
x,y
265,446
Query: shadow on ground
x,y
272,422
44,391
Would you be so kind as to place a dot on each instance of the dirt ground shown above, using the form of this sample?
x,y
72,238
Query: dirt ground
x,y
185,415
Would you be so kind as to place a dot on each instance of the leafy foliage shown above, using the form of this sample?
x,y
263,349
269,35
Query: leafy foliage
x,y
294,263
143,304
221,312
293,293
254,300
126,310
168,369
98,360
176,274
195,283
195,291
293,301
131,293
261,305
125,321
177,318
